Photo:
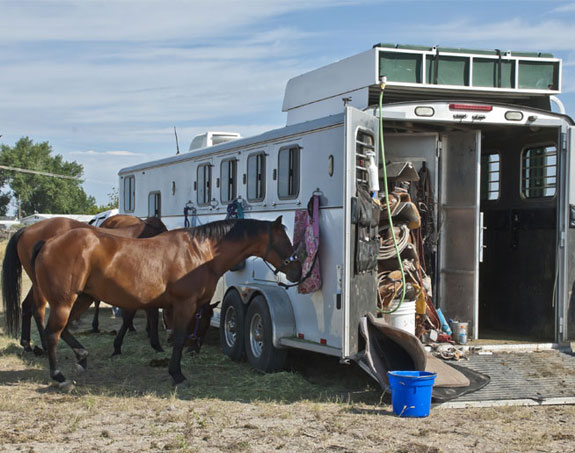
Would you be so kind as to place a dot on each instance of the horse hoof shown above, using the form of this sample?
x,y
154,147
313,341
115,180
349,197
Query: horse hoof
x,y
38,351
80,368
179,381
96,330
67,386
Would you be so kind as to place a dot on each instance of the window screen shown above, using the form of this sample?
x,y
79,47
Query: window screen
x,y
204,184
539,172
256,177
288,172
490,176
129,193
228,174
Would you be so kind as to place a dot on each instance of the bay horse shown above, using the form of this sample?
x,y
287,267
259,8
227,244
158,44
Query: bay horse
x,y
178,270
114,222
19,252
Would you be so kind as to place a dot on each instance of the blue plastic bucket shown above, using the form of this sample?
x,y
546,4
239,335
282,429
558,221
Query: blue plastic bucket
x,y
411,392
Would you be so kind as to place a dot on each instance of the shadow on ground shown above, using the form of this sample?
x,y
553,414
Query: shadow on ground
x,y
140,370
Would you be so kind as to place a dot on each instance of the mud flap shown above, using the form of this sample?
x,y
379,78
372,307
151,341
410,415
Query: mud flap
x,y
388,348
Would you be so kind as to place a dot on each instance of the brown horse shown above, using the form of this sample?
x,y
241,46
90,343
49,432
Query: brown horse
x,y
19,254
178,269
123,221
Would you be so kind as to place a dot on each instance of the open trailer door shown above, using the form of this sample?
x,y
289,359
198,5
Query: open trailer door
x,y
565,330
359,292
459,223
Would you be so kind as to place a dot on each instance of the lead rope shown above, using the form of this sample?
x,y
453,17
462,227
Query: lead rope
x,y
387,204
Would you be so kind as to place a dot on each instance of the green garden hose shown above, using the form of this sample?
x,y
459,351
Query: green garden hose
x,y
388,208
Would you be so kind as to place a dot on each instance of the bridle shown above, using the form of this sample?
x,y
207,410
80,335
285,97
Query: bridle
x,y
271,246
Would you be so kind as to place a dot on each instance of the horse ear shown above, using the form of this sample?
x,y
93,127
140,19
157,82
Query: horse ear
x,y
214,305
278,221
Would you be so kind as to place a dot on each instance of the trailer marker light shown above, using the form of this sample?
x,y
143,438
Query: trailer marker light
x,y
512,115
424,110
322,341
300,336
474,107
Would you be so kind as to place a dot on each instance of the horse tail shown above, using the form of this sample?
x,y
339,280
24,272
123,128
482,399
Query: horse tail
x,y
11,284
35,251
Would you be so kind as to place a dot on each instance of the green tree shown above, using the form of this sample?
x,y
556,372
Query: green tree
x,y
113,203
46,194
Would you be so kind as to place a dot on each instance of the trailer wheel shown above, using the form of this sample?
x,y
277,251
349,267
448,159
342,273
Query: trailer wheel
x,y
260,351
232,326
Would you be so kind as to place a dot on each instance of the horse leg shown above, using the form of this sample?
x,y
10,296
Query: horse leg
x,y
152,323
39,313
96,320
79,351
27,308
127,319
83,302
182,317
56,323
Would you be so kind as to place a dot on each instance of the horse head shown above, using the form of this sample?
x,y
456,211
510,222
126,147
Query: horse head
x,y
280,252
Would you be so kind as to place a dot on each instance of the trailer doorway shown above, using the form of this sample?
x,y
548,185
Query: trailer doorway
x,y
517,274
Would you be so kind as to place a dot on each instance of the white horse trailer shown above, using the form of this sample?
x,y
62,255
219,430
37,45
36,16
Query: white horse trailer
x,y
501,167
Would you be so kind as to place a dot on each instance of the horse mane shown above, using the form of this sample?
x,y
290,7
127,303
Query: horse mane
x,y
230,230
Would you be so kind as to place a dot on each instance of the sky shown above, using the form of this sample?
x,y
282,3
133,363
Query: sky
x,y
106,82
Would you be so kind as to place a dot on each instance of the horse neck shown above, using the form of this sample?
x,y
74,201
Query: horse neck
x,y
228,254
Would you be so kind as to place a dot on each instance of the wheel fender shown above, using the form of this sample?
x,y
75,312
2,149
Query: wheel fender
x,y
279,305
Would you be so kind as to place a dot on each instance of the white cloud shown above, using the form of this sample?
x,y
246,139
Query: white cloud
x,y
569,8
105,153
513,34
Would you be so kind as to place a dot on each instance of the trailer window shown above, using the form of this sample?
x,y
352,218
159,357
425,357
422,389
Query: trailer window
x,y
154,204
490,176
129,193
256,177
288,172
539,172
363,145
228,175
204,184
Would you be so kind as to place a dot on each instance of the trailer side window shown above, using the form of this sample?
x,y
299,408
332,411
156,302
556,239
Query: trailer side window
x,y
228,175
154,205
256,177
129,193
490,176
539,172
288,172
363,145
204,184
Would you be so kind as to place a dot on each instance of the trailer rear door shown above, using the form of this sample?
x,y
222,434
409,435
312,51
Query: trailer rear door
x,y
459,222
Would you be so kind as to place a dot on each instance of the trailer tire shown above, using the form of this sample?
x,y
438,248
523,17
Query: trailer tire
x,y
260,351
232,329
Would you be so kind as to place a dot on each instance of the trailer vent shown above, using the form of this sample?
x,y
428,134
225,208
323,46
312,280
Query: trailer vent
x,y
212,138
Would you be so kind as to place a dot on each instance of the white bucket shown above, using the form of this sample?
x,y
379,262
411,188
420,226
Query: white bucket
x,y
404,317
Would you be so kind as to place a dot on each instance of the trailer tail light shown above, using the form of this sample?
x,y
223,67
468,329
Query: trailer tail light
x,y
424,110
301,336
512,115
322,341
472,107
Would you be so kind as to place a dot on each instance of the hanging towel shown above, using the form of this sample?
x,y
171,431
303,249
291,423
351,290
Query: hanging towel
x,y
306,244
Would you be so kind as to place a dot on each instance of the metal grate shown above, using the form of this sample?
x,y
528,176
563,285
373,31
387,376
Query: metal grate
x,y
537,376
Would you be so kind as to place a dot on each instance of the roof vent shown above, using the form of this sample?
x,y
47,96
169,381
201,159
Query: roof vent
x,y
212,138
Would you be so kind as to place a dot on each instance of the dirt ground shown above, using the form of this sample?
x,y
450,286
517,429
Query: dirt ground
x,y
128,405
